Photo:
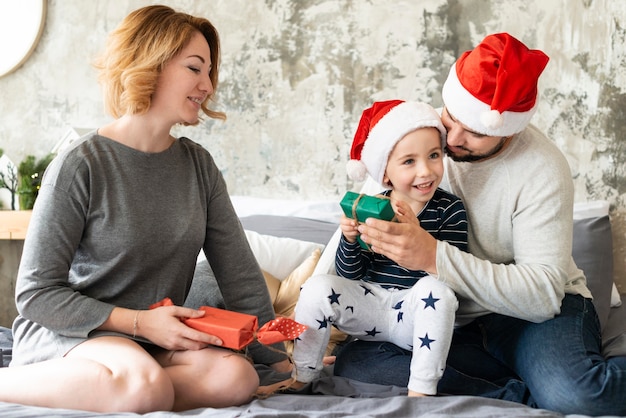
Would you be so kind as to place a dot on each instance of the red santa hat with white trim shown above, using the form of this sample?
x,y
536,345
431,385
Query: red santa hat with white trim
x,y
492,89
380,128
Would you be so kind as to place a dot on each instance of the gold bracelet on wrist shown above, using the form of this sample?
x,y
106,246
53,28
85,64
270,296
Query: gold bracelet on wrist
x,y
136,324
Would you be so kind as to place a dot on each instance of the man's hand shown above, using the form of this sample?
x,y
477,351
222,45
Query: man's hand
x,y
405,241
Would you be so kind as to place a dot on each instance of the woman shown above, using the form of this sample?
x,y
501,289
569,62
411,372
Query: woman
x,y
118,225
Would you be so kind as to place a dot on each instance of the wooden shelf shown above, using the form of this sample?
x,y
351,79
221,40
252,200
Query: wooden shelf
x,y
14,223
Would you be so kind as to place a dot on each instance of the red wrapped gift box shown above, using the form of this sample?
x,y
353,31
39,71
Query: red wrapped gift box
x,y
236,329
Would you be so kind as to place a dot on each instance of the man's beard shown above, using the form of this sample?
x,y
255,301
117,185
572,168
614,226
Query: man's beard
x,y
477,157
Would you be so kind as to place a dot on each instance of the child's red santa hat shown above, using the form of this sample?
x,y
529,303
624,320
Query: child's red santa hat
x,y
492,89
380,128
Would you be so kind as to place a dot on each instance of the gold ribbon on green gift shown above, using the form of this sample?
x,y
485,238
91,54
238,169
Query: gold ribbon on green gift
x,y
359,206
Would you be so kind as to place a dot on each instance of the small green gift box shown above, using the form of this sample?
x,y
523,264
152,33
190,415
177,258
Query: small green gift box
x,y
360,207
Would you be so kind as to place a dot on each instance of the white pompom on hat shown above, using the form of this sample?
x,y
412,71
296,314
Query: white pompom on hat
x,y
380,128
492,89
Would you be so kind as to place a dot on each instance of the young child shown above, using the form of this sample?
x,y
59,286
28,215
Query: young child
x,y
400,144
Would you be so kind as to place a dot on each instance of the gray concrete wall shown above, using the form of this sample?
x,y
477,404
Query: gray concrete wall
x,y
296,75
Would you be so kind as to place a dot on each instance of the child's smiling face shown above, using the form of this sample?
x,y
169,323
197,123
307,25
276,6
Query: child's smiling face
x,y
415,167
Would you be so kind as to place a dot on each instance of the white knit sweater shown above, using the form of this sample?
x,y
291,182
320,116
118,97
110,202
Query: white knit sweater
x,y
520,208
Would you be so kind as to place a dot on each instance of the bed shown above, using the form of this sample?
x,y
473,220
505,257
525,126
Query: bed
x,y
293,240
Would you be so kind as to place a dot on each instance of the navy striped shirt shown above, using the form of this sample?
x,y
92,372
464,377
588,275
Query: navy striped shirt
x,y
444,217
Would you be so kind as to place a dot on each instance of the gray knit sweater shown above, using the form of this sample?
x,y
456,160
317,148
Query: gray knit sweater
x,y
113,226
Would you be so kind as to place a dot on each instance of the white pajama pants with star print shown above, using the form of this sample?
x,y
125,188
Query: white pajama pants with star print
x,y
420,319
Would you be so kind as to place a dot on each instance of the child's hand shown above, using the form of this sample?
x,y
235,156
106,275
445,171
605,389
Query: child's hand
x,y
349,228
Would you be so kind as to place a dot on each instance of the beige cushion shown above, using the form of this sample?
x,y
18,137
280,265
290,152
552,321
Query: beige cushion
x,y
289,290
273,284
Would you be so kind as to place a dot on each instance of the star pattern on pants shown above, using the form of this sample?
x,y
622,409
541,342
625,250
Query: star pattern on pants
x,y
366,290
372,332
426,341
398,306
334,297
430,301
323,323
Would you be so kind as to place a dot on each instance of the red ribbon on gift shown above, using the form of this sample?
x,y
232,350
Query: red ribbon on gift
x,y
279,329
236,329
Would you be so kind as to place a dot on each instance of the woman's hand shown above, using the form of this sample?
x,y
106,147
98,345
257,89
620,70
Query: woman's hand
x,y
163,326
405,241
349,228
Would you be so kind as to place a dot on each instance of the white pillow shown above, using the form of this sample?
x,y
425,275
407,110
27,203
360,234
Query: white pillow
x,y
616,299
279,256
326,263
592,209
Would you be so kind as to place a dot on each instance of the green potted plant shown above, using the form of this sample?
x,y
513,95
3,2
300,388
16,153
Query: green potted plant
x,y
30,172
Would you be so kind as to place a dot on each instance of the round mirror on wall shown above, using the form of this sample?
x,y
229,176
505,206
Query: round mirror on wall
x,y
21,25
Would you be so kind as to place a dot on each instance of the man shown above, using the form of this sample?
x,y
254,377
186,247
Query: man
x,y
526,323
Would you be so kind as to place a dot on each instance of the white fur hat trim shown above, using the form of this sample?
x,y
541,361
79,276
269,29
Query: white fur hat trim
x,y
391,128
478,116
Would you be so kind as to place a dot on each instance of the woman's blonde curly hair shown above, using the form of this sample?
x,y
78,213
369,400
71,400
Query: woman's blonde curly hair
x,y
138,49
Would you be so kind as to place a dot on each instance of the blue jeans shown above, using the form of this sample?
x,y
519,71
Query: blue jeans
x,y
555,365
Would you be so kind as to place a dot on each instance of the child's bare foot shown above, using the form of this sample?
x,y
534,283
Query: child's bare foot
x,y
265,391
291,383
415,394
296,385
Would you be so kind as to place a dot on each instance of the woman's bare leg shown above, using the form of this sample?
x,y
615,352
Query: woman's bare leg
x,y
105,374
211,377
